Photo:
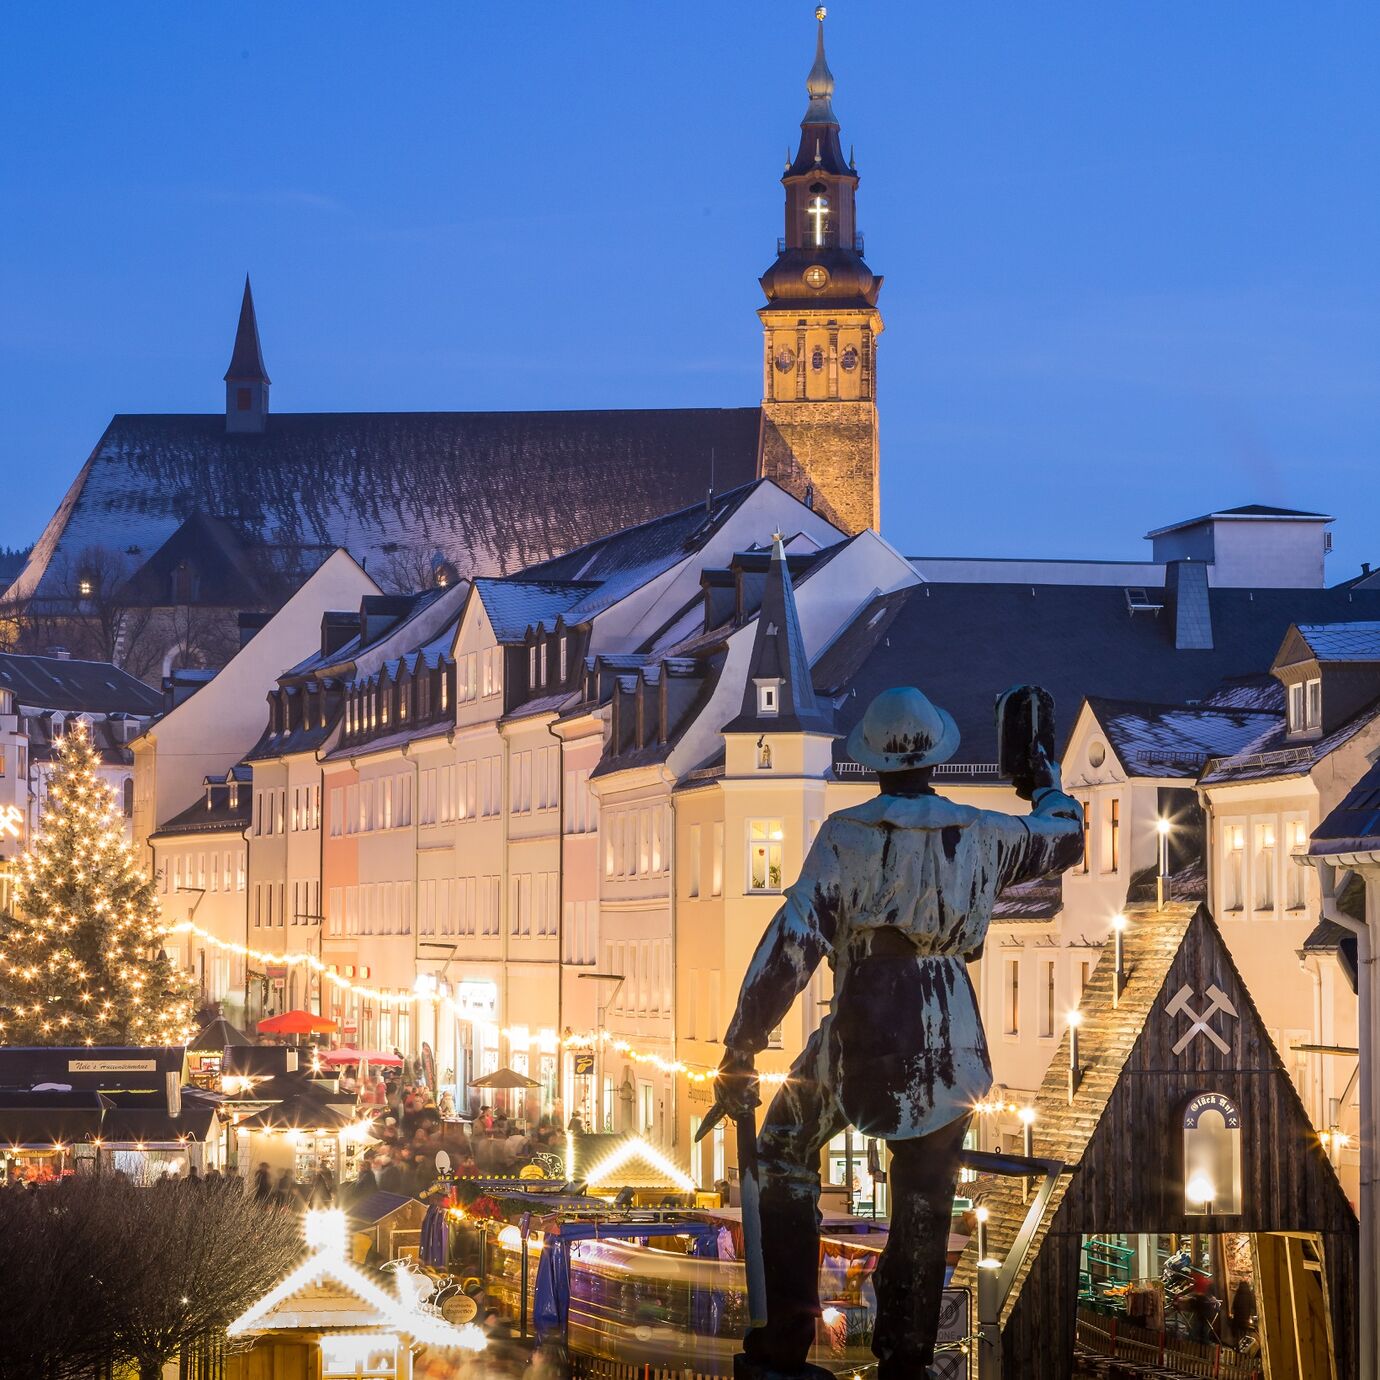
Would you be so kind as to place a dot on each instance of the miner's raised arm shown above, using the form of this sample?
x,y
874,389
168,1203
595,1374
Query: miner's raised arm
x,y
800,935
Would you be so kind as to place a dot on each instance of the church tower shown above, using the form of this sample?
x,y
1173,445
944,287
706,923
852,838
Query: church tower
x,y
246,380
820,328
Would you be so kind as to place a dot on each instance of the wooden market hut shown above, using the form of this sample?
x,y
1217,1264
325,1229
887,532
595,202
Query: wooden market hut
x,y
330,1317
1185,1029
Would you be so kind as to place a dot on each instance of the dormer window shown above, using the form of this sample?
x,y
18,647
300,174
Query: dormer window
x,y
1305,705
532,665
541,662
564,652
234,795
769,697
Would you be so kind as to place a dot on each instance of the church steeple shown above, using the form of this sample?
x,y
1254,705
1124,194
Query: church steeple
x,y
821,326
246,380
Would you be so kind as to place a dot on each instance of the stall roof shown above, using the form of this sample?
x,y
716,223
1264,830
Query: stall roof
x,y
107,1068
44,1119
371,1210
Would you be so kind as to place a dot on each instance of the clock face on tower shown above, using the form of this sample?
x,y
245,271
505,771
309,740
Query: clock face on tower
x,y
816,276
785,359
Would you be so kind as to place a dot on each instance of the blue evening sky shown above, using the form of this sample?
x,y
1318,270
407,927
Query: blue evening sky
x,y
1130,248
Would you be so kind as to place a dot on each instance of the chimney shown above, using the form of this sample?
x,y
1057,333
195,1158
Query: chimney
x,y
1186,594
719,596
336,630
60,653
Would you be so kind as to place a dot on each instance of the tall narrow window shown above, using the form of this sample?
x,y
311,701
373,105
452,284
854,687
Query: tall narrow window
x,y
1113,835
1012,996
765,844
1298,874
1086,864
1047,1000
1234,866
1265,866
1315,704
716,861
693,880
1298,707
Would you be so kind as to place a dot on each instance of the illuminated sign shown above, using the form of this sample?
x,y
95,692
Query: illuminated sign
x,y
11,821
111,1065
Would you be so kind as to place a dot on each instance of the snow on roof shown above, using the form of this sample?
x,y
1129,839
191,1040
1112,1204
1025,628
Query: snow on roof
x,y
493,492
1176,740
514,606
1342,641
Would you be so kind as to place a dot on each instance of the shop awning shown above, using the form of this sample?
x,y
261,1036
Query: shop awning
x,y
298,1023
505,1079
375,1058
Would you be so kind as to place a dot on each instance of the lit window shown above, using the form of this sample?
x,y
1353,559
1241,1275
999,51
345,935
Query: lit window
x,y
1233,880
1297,830
86,587
1265,866
1212,1155
1111,837
764,854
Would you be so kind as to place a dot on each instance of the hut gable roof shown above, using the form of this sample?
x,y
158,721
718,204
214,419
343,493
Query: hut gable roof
x,y
1137,1075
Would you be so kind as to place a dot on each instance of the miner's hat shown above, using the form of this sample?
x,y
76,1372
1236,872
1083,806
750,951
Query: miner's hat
x,y
902,730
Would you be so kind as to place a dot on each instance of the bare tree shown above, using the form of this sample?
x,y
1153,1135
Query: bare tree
x,y
405,569
131,1274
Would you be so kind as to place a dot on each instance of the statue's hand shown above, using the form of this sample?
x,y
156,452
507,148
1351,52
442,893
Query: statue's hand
x,y
736,1089
1042,775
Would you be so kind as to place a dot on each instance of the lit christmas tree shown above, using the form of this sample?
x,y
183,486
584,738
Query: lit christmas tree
x,y
81,958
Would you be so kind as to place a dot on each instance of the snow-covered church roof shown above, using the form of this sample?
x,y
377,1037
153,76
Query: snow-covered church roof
x,y
493,492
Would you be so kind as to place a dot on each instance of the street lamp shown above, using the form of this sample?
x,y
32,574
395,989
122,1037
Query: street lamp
x,y
1027,1116
1075,1072
1162,828
1119,973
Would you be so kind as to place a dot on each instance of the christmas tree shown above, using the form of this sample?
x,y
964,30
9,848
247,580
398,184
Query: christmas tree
x,y
81,956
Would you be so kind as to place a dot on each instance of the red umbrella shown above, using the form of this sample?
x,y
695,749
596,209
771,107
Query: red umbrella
x,y
373,1057
297,1023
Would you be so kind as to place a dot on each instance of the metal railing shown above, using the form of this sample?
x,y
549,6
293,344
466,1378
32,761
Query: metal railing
x,y
857,246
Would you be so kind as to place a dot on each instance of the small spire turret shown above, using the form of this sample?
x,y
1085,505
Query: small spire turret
x,y
246,380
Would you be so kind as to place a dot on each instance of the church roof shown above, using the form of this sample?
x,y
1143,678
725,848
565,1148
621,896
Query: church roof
x,y
247,358
494,492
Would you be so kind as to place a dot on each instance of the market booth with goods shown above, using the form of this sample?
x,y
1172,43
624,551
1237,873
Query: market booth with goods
x,y
1199,1228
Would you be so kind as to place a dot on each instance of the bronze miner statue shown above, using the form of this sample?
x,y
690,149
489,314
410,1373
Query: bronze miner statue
x,y
897,895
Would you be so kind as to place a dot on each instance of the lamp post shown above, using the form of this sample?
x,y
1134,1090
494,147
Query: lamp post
x,y
1027,1115
1162,827
1075,1072
1119,951
982,1215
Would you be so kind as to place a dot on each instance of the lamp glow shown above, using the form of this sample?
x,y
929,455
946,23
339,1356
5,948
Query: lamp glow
x,y
1199,1190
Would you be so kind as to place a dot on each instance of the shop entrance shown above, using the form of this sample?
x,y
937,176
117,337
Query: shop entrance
x,y
1241,1304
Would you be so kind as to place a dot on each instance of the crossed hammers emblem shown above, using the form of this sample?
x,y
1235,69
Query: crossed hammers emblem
x,y
1218,1001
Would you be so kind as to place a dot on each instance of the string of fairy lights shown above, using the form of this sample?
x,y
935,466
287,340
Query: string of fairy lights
x,y
514,1036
